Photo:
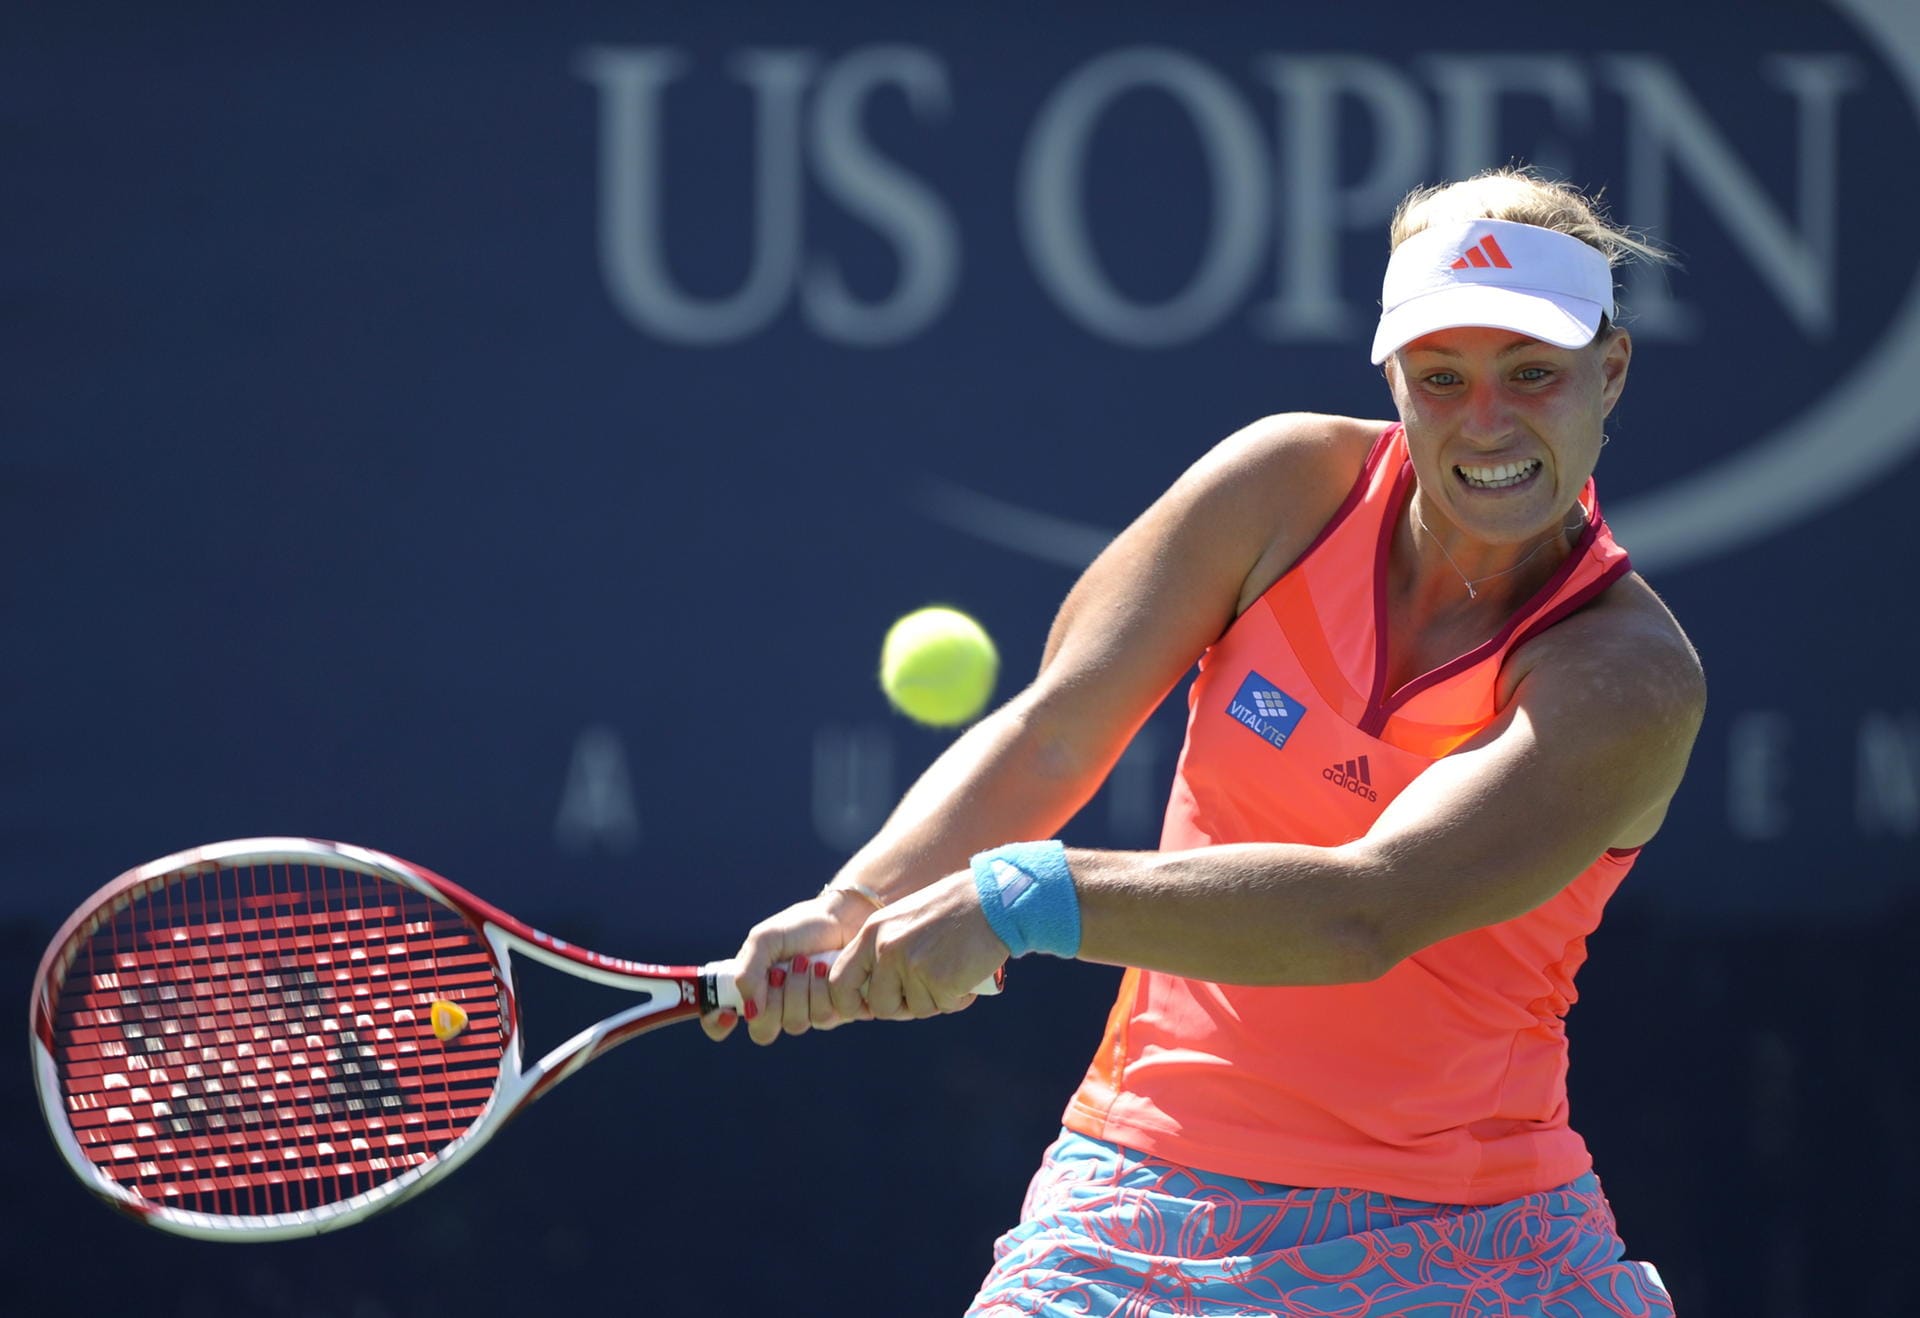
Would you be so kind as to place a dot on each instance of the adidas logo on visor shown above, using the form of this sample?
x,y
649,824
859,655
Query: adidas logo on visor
x,y
1494,274
1483,254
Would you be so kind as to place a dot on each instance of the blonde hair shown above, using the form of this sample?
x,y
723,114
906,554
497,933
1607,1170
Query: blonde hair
x,y
1521,194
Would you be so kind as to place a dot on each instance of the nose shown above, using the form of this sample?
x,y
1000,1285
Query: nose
x,y
1487,417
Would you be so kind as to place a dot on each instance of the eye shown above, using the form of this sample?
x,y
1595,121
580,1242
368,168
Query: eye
x,y
1442,379
1533,374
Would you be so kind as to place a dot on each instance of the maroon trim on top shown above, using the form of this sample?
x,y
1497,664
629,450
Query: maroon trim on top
x,y
1576,601
1380,707
1374,720
1375,456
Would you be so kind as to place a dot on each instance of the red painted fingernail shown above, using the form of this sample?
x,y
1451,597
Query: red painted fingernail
x,y
726,1018
777,976
819,970
749,1010
799,965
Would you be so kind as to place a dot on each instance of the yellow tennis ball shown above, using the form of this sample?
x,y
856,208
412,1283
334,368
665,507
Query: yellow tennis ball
x,y
938,667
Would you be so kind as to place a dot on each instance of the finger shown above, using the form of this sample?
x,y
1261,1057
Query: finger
x,y
819,997
885,996
765,1018
918,999
796,1015
719,1024
958,1002
847,981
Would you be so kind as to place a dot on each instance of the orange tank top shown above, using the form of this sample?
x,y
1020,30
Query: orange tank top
x,y
1443,1080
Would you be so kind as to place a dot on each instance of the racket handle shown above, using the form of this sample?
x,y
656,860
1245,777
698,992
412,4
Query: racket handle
x,y
718,992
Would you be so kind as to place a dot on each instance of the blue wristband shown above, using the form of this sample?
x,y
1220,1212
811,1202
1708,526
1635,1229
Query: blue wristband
x,y
1027,895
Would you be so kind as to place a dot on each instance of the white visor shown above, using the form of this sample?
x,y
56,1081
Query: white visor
x,y
1538,282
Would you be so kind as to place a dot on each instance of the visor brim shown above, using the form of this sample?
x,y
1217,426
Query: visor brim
x,y
1556,318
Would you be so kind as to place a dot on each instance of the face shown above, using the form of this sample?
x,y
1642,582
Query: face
x,y
1504,430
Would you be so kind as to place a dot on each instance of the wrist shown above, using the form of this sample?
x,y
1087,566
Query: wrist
x,y
855,898
1028,896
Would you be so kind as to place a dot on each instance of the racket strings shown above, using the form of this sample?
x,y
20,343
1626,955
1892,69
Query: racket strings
x,y
256,1040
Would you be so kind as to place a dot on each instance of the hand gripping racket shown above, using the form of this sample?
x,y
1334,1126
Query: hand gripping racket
x,y
279,1036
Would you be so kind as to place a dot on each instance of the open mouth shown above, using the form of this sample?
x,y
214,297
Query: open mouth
x,y
1503,477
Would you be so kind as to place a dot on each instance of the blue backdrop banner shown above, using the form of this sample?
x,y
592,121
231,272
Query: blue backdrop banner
x,y
503,439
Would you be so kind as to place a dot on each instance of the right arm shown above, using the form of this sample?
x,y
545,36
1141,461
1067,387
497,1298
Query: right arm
x,y
1165,589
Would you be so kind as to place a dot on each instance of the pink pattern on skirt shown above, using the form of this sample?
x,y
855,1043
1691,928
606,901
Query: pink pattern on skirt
x,y
1107,1231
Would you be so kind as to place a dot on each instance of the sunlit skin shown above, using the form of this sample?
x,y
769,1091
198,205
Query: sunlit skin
x,y
1479,398
1596,717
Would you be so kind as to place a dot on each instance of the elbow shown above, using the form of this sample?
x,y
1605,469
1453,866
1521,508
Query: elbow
x,y
1344,950
1052,746
1324,931
1359,952
1336,956
1368,936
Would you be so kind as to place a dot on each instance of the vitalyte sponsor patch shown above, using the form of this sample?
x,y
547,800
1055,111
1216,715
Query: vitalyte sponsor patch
x,y
1264,708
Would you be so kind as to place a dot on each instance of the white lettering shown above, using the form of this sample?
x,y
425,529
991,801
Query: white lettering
x,y
1887,776
902,208
852,784
632,84
1297,196
1471,89
1667,132
1315,206
1053,211
597,810
1757,745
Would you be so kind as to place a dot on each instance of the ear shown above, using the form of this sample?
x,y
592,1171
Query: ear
x,y
1615,357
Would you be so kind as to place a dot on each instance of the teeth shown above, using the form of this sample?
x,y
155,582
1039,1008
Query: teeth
x,y
1507,473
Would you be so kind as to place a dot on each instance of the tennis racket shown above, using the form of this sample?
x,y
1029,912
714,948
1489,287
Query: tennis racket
x,y
276,1037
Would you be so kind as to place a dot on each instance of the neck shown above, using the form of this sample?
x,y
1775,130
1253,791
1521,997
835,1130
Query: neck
x,y
1464,571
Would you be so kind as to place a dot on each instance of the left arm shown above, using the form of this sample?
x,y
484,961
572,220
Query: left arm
x,y
1585,755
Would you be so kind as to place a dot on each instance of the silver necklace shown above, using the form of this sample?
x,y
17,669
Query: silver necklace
x,y
1491,576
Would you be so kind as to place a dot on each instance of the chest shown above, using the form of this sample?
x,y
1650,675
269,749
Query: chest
x,y
1416,641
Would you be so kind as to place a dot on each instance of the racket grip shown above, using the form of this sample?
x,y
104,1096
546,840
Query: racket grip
x,y
718,992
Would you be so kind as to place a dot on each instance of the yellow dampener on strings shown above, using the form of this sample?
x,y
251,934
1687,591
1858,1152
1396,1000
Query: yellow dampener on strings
x,y
448,1019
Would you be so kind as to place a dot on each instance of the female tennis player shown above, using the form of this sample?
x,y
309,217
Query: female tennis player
x,y
1437,716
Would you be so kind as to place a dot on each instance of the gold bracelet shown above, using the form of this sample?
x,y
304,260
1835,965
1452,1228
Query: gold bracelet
x,y
879,902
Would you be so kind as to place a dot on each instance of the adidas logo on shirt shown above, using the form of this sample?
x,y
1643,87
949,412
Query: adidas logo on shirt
x,y
1354,776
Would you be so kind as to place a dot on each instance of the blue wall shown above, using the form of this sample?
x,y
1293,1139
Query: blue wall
x,y
503,440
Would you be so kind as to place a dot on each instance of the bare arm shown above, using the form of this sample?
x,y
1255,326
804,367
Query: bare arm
x,y
1594,742
1585,756
1163,591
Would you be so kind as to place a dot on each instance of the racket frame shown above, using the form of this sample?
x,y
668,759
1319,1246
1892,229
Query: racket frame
x,y
671,993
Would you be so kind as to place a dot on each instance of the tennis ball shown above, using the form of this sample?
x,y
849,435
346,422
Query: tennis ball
x,y
938,667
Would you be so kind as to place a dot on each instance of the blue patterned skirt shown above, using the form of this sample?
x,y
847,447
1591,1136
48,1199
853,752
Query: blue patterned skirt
x,y
1108,1231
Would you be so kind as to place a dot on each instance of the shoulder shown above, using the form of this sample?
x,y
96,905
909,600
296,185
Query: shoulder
x,y
1299,446
1624,656
1166,587
1277,482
